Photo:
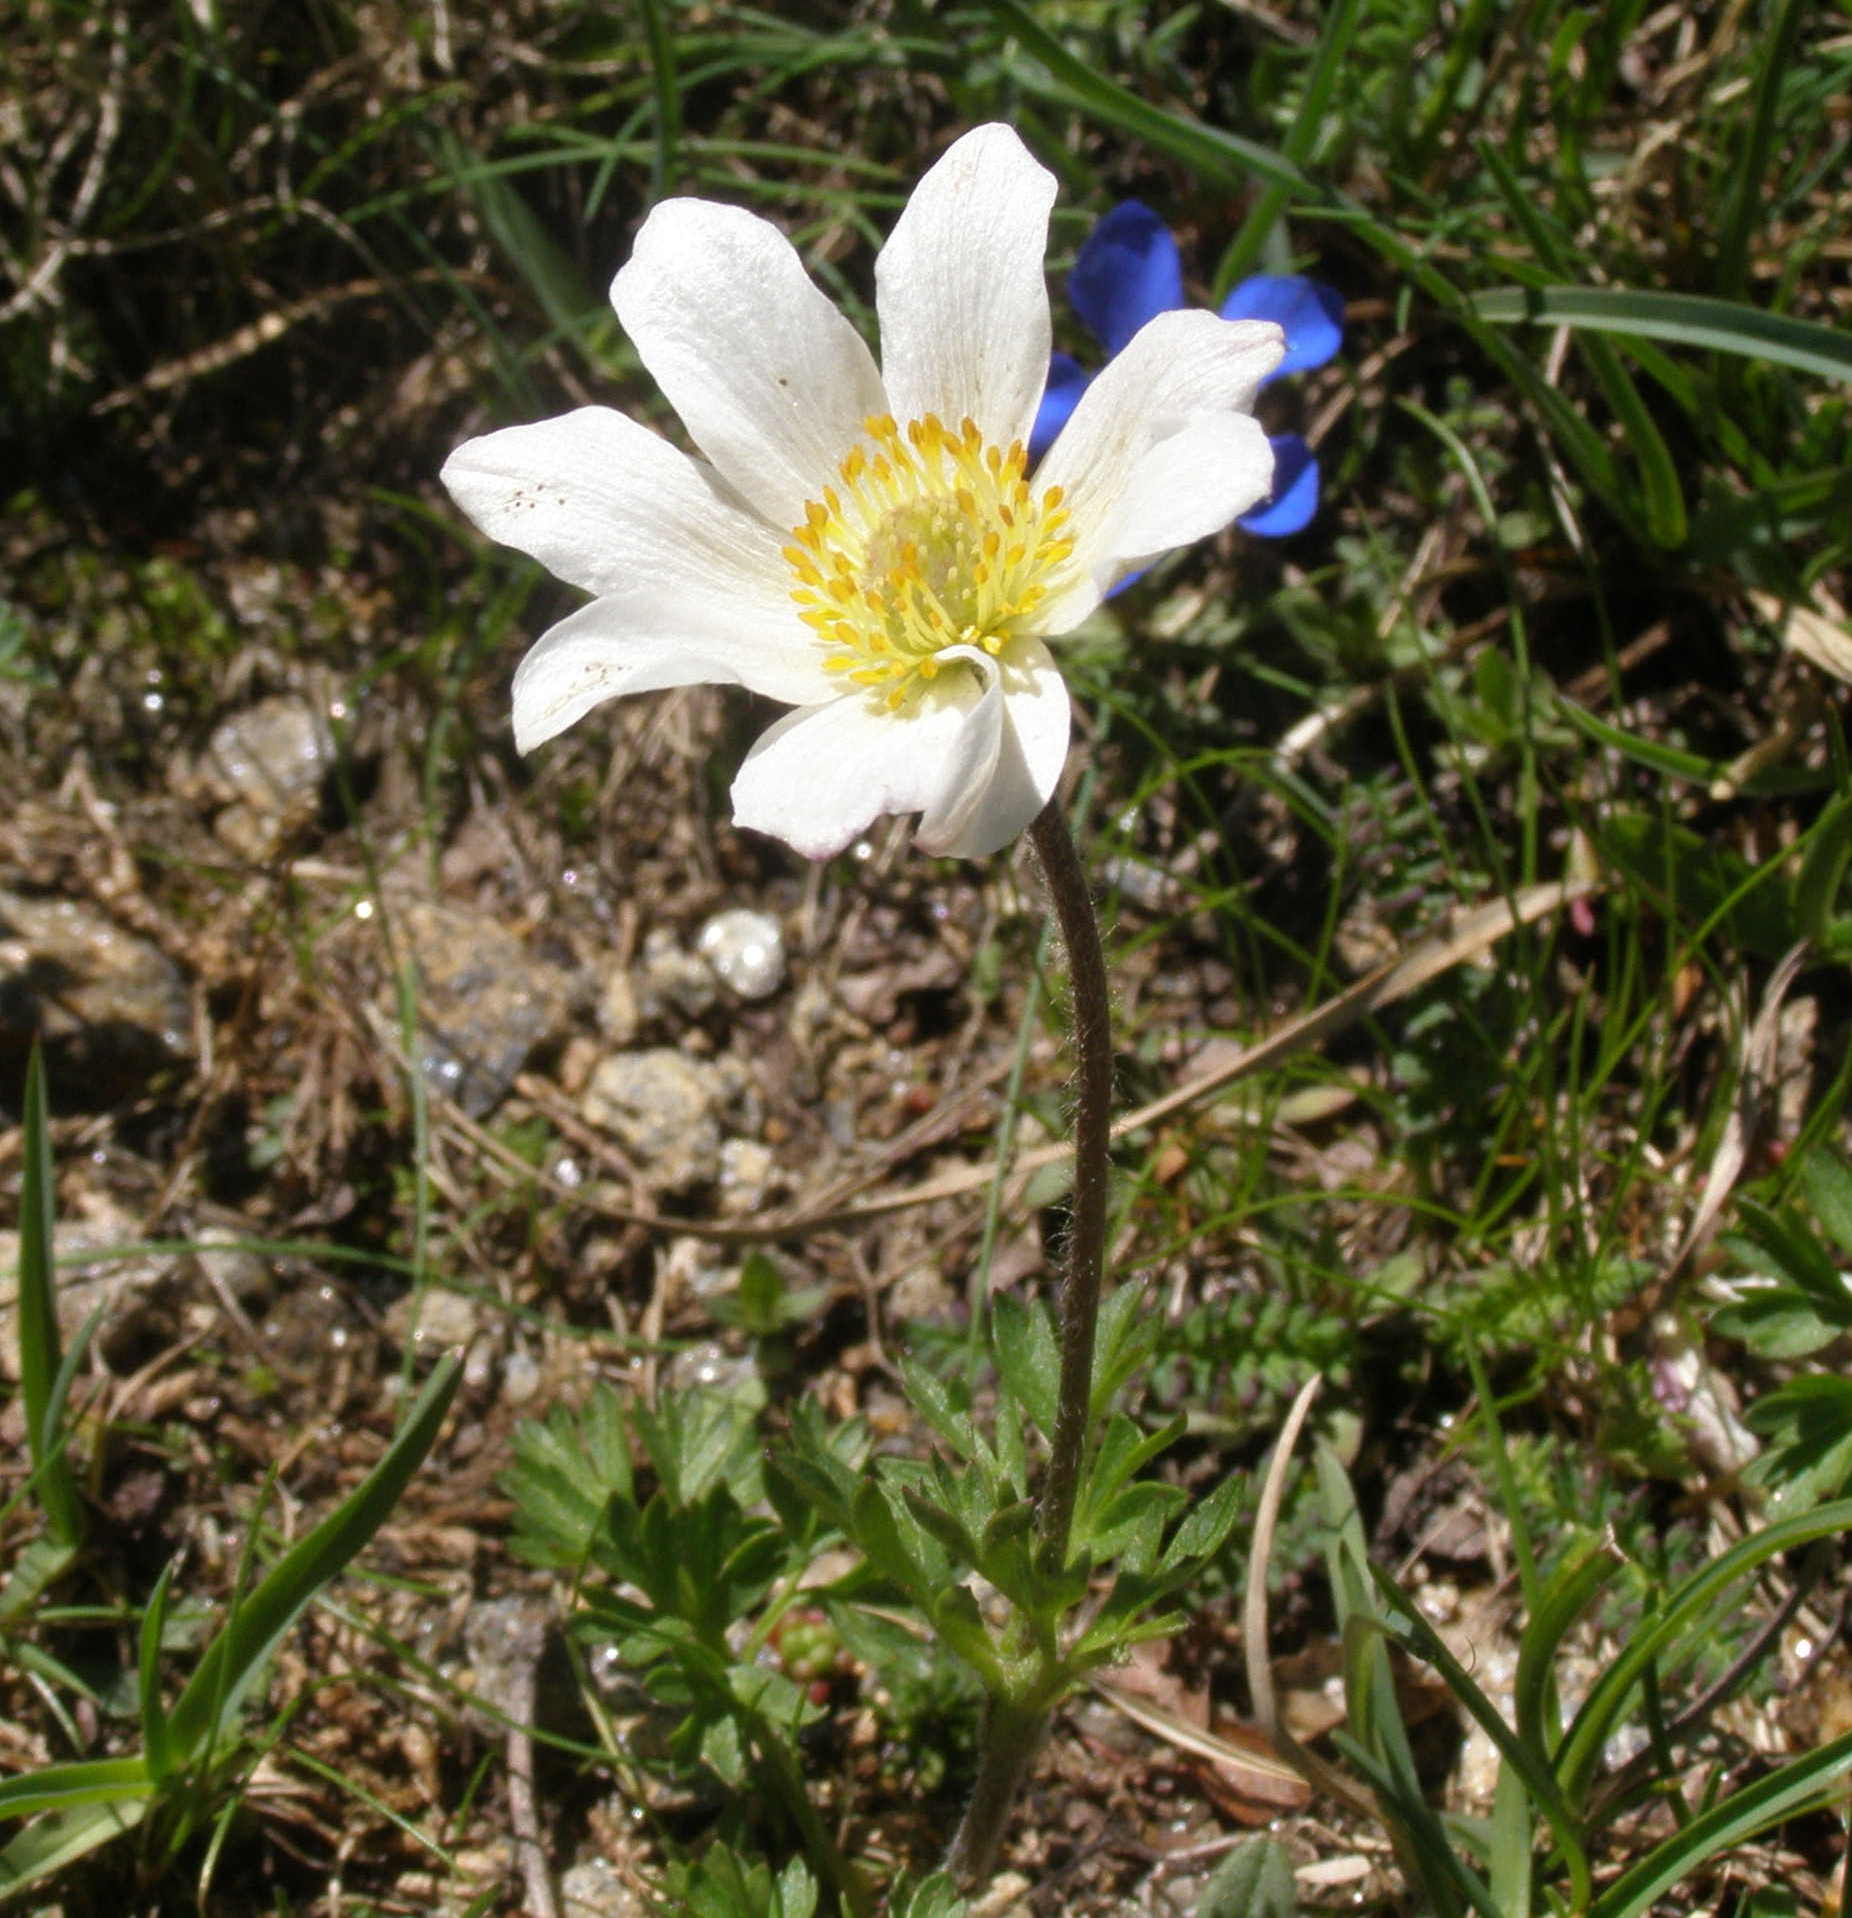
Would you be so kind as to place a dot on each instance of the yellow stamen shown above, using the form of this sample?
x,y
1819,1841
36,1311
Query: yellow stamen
x,y
929,538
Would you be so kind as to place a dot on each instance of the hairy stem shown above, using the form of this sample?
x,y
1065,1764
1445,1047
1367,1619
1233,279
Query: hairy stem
x,y
1012,1728
1086,1244
1012,1735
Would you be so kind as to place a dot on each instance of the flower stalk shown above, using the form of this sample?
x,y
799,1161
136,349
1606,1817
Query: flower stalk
x,y
1014,1727
1091,1012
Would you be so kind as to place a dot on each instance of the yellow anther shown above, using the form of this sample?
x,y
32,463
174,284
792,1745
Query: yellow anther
x,y
932,540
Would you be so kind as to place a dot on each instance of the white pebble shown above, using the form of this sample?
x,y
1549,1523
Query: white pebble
x,y
746,950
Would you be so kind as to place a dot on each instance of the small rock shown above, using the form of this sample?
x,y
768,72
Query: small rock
x,y
596,1889
619,1016
1141,881
231,1271
666,1110
486,1004
922,1296
669,980
710,1367
268,762
504,1639
520,1378
137,1295
747,1172
746,950
441,1319
110,1005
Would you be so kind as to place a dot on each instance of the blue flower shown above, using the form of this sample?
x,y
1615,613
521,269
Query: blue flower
x,y
1129,271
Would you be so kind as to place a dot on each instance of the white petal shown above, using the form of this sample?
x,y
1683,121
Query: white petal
x,y
978,816
977,756
606,504
770,380
1179,368
1185,488
821,776
959,287
652,636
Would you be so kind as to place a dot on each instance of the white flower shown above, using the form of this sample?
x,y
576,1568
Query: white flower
x,y
865,544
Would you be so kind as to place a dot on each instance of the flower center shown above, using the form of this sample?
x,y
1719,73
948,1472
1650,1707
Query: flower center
x,y
932,540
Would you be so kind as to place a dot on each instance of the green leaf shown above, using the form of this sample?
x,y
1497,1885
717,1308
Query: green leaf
x,y
762,1290
874,1527
934,1897
724,1751
1707,885
797,1891
771,1698
1206,1526
1255,1880
1408,1628
1510,1856
1782,1245
1028,1358
1123,1341
86,1781
1309,119
928,1396
1681,1628
157,1749
1377,1743
947,1527
699,1439
550,273
35,1571
1723,326
1795,1787
1692,768
1123,1450
960,1626
63,1835
566,1472
1819,889
1135,1513
233,1660
1566,1596
1009,1525
1777,1323
1665,523
40,1356
1827,1182
1808,1422
1747,198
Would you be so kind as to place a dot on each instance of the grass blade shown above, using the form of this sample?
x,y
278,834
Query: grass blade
x,y
77,1825
87,1781
1568,1595
1512,1863
1664,519
1688,319
40,1357
1794,1787
1407,1628
667,86
1685,1608
1243,252
1747,197
157,1747
234,1658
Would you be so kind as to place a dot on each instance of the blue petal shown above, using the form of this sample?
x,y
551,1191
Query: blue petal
x,y
1066,383
1127,273
1294,499
1310,315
